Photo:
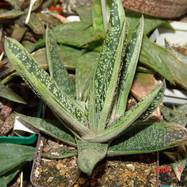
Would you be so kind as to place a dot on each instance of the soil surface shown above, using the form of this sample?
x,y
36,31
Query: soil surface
x,y
109,173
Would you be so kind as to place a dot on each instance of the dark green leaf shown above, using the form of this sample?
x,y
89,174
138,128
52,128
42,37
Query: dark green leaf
x,y
108,67
89,154
129,69
56,66
121,124
14,3
12,155
9,14
56,131
64,107
6,179
164,62
176,115
7,93
150,22
78,34
156,137
85,69
85,14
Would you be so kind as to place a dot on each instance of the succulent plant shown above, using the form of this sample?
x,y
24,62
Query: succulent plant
x,y
101,126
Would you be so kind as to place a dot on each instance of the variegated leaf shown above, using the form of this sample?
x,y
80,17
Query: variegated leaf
x,y
54,130
108,67
56,66
155,103
156,137
129,68
89,154
46,88
120,125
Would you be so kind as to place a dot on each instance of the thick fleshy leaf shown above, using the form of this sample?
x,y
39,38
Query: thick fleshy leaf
x,y
69,56
56,66
156,137
9,94
89,154
97,20
14,3
177,115
56,131
143,84
150,22
9,14
85,69
84,13
18,32
46,88
6,179
129,69
155,103
12,155
108,67
164,62
120,125
78,34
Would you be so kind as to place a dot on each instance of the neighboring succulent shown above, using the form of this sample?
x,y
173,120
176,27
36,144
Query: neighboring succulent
x,y
101,126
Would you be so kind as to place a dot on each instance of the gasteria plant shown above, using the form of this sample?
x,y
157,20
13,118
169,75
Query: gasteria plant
x,y
101,126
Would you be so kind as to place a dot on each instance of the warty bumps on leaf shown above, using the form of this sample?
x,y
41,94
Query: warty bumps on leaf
x,y
105,128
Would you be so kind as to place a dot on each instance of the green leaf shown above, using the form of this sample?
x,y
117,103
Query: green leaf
x,y
155,103
41,57
97,20
64,107
121,124
12,155
6,179
85,69
77,34
108,68
85,14
54,130
129,69
56,66
89,154
164,62
176,115
7,93
150,22
156,137
14,3
69,56
9,14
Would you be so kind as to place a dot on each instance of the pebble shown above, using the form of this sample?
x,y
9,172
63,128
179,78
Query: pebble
x,y
130,167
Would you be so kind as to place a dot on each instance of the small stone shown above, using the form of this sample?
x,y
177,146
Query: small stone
x,y
131,167
60,166
50,179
